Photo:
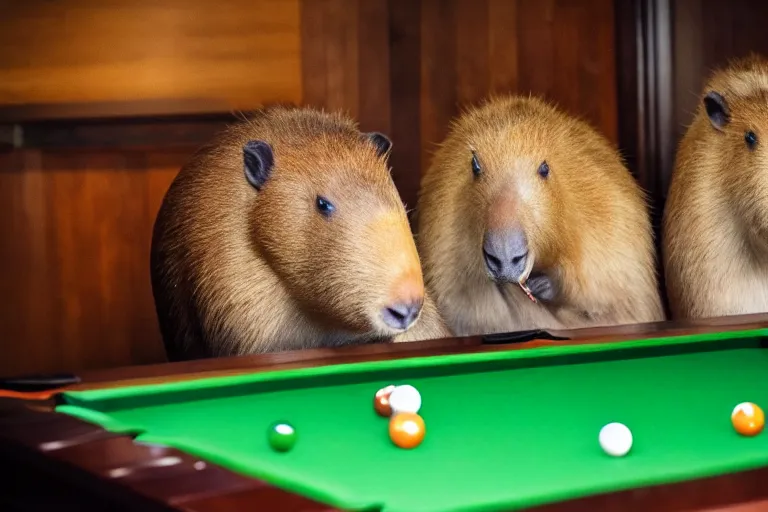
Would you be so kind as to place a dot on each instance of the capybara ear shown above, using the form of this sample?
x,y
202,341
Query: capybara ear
x,y
259,160
717,109
381,141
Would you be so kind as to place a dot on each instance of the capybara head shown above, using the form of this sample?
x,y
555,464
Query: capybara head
x,y
735,103
327,218
521,192
503,162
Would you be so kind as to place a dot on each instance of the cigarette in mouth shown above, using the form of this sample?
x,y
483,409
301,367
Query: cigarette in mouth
x,y
524,277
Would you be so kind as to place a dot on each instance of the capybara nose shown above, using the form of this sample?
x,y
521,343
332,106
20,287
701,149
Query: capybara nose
x,y
505,253
401,316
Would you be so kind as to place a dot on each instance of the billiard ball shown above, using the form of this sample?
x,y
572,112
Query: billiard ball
x,y
615,439
405,398
381,401
406,429
748,419
281,436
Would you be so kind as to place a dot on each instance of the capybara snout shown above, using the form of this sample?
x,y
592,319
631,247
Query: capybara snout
x,y
401,282
506,253
401,315
406,301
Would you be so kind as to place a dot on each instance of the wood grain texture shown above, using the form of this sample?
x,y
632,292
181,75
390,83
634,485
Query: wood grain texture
x,y
345,59
76,269
405,63
241,52
645,89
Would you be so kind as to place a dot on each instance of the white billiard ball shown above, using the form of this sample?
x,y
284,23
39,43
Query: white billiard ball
x,y
615,439
405,398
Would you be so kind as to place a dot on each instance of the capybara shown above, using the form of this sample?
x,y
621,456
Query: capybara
x,y
287,232
522,192
715,227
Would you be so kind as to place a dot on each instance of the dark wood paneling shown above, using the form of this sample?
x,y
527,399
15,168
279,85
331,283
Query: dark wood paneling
x,y
645,94
345,58
74,266
405,88
9,137
125,110
135,133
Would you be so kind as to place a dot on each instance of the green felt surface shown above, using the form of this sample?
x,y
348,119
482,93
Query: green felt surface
x,y
505,430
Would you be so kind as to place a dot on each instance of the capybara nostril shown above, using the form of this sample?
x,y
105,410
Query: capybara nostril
x,y
492,262
401,316
505,253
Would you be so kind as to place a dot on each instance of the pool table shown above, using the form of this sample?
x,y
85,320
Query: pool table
x,y
517,416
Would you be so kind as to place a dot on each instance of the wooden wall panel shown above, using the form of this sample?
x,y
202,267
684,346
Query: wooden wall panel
x,y
405,64
345,59
77,231
238,52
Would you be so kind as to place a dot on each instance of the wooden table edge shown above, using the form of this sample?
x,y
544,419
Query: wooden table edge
x,y
148,374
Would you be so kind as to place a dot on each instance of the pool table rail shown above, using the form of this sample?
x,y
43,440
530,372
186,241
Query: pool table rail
x,y
105,465
277,361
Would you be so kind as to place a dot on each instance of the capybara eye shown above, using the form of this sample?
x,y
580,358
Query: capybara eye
x,y
476,170
544,169
751,139
324,206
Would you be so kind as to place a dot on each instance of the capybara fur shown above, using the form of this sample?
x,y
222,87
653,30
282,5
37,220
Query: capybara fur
x,y
520,190
287,232
715,228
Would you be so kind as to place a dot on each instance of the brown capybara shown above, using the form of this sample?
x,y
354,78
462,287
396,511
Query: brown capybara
x,y
520,191
715,227
287,232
